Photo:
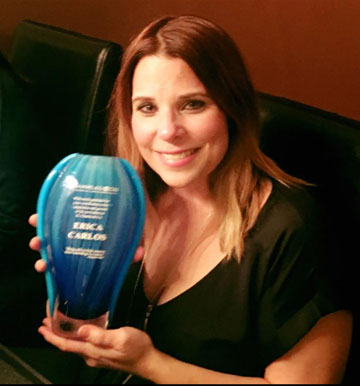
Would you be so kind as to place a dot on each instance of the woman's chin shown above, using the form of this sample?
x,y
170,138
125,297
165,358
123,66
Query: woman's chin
x,y
178,181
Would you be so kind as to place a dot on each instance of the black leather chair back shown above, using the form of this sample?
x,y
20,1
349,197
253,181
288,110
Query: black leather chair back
x,y
71,76
324,149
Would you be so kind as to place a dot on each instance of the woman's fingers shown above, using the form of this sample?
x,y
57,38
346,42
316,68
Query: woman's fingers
x,y
35,243
40,265
33,220
139,254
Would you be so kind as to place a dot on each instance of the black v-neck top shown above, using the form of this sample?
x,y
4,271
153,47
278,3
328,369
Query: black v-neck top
x,y
242,316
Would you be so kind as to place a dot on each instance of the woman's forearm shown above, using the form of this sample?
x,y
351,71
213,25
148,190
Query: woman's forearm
x,y
163,369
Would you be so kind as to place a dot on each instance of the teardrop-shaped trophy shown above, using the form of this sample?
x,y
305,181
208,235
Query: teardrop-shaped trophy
x,y
91,212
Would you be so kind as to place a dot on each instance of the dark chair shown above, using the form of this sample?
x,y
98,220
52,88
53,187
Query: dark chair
x,y
324,149
19,284
68,77
71,76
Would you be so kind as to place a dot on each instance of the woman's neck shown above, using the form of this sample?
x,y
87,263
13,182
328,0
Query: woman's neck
x,y
193,196
185,203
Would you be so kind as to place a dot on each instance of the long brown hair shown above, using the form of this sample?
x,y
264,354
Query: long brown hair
x,y
238,181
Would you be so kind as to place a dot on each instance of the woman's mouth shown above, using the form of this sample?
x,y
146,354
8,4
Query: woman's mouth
x,y
178,156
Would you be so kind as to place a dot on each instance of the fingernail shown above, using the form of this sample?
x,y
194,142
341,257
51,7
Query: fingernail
x,y
83,332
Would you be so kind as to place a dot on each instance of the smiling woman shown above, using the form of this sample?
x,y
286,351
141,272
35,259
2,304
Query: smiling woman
x,y
231,287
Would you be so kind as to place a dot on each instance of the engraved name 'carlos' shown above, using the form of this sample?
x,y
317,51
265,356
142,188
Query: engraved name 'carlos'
x,y
87,231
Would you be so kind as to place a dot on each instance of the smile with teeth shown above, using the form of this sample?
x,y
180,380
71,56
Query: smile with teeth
x,y
178,156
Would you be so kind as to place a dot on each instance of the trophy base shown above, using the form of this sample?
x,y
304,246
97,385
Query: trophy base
x,y
68,327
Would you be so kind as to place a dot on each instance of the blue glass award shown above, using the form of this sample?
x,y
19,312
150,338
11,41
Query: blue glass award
x,y
91,212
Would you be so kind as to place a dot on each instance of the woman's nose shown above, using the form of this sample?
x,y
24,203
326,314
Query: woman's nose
x,y
169,126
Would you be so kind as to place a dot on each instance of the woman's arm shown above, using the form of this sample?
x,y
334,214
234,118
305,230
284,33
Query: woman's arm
x,y
319,357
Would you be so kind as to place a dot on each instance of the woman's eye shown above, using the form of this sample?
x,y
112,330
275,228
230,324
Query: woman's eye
x,y
194,105
146,108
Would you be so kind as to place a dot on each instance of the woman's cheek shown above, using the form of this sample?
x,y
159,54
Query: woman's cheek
x,y
143,130
138,133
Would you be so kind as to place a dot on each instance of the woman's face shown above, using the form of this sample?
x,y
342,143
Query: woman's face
x,y
181,133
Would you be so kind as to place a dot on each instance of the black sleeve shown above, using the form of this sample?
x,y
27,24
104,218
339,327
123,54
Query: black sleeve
x,y
297,290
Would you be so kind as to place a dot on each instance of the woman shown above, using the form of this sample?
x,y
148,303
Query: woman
x,y
230,287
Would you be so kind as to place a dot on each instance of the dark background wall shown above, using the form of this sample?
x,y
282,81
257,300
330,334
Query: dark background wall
x,y
306,50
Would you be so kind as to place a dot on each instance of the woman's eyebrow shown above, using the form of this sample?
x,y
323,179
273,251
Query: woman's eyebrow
x,y
193,95
179,97
142,98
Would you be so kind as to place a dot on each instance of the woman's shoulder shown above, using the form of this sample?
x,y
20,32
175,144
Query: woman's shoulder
x,y
288,209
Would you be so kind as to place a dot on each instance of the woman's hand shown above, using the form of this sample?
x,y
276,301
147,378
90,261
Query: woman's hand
x,y
127,348
35,244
